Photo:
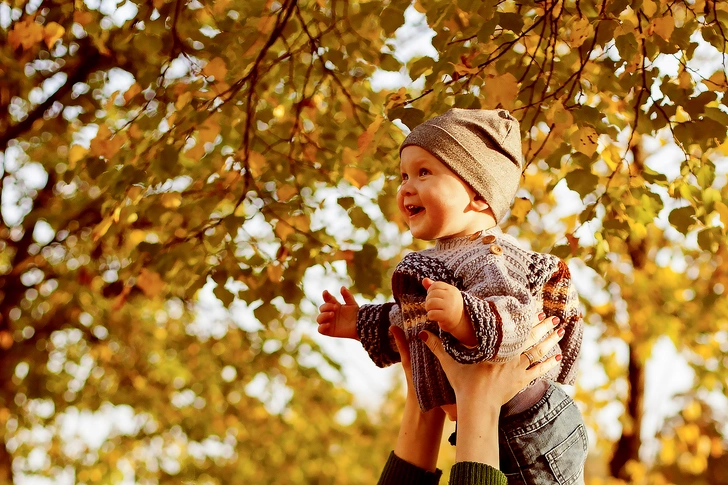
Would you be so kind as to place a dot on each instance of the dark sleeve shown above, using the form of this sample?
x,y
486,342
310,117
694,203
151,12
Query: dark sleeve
x,y
372,327
399,472
471,473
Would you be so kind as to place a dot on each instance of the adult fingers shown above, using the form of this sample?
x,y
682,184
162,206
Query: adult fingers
x,y
347,296
538,331
401,340
539,350
434,343
541,368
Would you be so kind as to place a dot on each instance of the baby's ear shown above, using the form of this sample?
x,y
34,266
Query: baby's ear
x,y
479,204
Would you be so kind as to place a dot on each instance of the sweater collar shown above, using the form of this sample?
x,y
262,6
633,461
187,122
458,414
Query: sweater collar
x,y
456,242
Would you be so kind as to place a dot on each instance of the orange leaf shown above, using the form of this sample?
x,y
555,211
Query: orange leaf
x,y
365,139
215,68
150,283
53,32
356,177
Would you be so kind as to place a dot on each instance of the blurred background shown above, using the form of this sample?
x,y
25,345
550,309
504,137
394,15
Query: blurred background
x,y
182,179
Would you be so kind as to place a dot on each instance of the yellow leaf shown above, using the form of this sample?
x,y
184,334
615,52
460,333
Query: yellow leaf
x,y
663,27
502,91
285,192
649,7
722,209
53,32
356,177
718,81
132,91
209,131
520,208
104,145
215,68
585,140
102,228
279,111
283,230
83,18
183,100
612,157
256,164
150,283
580,31
171,200
365,139
275,272
136,236
75,155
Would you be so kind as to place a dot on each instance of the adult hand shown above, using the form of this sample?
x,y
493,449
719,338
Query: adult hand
x,y
481,389
500,382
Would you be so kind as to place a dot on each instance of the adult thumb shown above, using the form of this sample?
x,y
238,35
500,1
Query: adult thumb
x,y
433,343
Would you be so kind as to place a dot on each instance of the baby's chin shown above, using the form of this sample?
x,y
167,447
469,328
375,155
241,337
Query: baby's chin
x,y
451,410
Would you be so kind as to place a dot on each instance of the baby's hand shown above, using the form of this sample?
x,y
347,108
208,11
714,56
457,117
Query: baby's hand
x,y
444,305
337,320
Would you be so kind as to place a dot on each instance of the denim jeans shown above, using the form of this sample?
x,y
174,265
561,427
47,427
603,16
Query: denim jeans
x,y
545,444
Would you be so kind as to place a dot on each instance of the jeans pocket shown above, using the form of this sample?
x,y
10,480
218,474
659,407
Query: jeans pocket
x,y
567,458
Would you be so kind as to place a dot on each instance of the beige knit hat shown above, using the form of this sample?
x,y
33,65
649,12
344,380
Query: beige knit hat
x,y
483,147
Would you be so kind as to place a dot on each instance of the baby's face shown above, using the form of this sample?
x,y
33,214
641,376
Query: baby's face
x,y
434,201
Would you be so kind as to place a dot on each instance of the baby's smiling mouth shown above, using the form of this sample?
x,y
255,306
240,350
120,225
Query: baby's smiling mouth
x,y
413,210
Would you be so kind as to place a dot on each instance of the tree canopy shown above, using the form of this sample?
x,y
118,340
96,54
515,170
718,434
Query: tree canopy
x,y
151,148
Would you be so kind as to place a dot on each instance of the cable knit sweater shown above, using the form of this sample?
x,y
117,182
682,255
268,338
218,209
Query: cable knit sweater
x,y
504,287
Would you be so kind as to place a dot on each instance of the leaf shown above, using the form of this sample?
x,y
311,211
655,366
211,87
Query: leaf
x,y
682,218
585,140
520,208
722,210
582,182
52,33
216,68
26,34
663,26
501,91
365,139
150,283
256,163
356,177
76,154
580,30
285,192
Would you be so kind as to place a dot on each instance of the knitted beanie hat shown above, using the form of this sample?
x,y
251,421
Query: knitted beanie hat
x,y
483,147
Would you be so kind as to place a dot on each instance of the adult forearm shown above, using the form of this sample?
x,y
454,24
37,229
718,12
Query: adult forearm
x,y
477,432
419,436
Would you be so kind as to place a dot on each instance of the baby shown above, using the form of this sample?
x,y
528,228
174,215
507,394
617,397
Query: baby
x,y
476,288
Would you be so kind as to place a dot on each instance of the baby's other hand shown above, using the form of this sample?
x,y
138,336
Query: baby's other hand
x,y
335,319
444,305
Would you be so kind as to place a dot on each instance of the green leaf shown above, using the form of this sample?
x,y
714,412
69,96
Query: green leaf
x,y
582,182
682,218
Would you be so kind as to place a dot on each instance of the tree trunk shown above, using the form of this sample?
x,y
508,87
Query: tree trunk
x,y
628,446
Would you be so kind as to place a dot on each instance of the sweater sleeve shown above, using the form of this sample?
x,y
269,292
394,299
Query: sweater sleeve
x,y
471,473
560,299
399,472
502,310
372,327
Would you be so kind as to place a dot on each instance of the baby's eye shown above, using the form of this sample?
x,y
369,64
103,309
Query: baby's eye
x,y
423,172
403,177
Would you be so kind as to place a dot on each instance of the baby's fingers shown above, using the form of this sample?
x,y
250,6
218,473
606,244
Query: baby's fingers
x,y
329,298
347,296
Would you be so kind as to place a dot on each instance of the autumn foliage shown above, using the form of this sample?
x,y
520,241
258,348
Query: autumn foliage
x,y
177,178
